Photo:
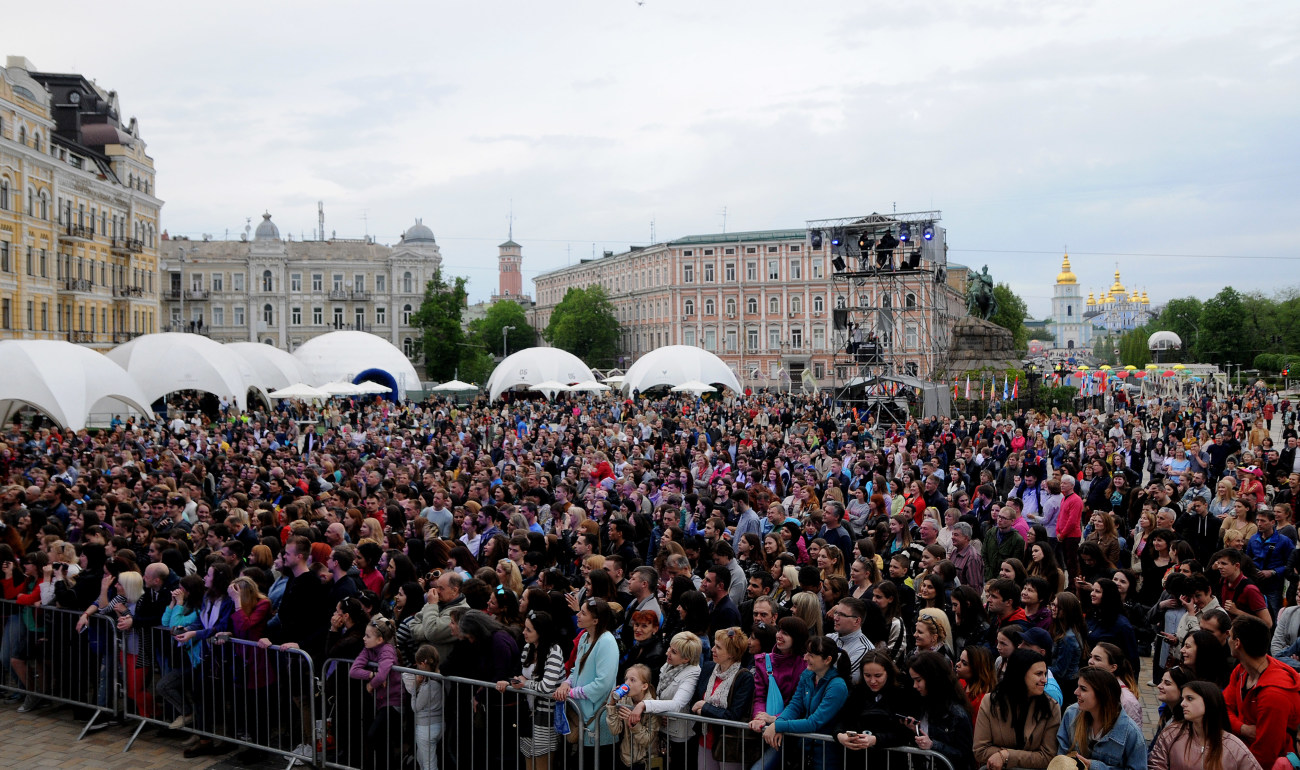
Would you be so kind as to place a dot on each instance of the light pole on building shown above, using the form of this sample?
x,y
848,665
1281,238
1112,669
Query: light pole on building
x,y
505,331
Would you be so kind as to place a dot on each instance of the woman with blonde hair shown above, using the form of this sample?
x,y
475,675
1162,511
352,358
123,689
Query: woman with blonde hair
x,y
786,585
830,560
808,608
510,577
370,530
934,633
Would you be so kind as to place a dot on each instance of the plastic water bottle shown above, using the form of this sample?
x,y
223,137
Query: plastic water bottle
x,y
620,691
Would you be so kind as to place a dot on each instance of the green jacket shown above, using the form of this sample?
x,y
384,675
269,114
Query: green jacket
x,y
1011,547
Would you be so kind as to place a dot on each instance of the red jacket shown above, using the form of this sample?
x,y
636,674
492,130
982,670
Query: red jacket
x,y
1069,523
1273,707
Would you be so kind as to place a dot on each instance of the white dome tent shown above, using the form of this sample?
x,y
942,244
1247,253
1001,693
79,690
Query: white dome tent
x,y
674,365
532,366
357,357
68,383
275,368
171,361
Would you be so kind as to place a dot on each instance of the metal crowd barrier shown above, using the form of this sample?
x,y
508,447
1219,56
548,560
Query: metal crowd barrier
x,y
221,689
45,659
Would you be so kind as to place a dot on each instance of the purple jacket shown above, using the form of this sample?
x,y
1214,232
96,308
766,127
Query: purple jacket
x,y
786,669
387,683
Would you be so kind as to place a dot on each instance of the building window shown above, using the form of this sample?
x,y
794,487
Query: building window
x,y
268,281
751,340
819,339
688,307
773,249
731,340
729,250
774,338
218,316
751,249
408,283
381,315
819,370
337,282
709,307
1069,310
381,283
751,271
910,369
318,316
688,337
688,253
796,338
773,270
359,282
731,306
218,283
774,305
338,318
794,249
408,347
295,282
688,273
359,317
910,337
796,270
268,315
751,305
819,304
239,316
710,340
5,311
796,304
708,252
909,300
317,282
708,272
237,282
406,315
196,281
729,272
295,316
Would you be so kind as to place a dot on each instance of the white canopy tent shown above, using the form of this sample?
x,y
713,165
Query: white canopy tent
x,y
550,388
674,365
355,356
275,368
172,361
301,391
66,382
531,366
454,386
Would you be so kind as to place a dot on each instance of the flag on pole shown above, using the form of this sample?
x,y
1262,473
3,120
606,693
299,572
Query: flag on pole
x,y
968,387
1015,389
981,387
1006,388
954,387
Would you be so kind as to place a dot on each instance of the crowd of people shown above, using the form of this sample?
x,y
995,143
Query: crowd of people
x,y
620,574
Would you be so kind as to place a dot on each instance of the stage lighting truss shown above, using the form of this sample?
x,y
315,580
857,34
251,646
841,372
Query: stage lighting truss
x,y
904,233
816,239
928,232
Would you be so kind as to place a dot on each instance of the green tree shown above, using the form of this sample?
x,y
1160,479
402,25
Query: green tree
x,y
1222,329
1133,350
486,331
585,325
1041,334
1181,316
1011,314
438,320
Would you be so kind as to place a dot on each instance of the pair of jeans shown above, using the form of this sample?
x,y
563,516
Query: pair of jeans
x,y
9,644
426,745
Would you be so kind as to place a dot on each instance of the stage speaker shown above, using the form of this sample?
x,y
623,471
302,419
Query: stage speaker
x,y
840,318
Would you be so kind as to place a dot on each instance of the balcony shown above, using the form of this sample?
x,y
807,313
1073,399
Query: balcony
x,y
125,292
78,233
360,295
81,337
120,337
342,327
338,294
76,285
188,327
127,246
172,294
196,294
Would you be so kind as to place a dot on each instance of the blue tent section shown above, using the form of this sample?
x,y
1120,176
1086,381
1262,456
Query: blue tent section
x,y
380,376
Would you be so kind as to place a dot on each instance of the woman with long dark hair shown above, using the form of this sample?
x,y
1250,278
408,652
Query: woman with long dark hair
x,y
1109,657
784,665
1169,691
1069,642
968,619
1204,739
1155,561
1205,659
489,653
944,708
815,705
593,676
408,602
541,669
885,597
1017,724
977,673
1096,727
1106,621
879,700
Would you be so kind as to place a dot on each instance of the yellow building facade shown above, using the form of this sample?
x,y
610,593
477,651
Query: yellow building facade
x,y
78,213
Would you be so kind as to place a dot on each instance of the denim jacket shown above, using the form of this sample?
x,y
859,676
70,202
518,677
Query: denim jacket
x,y
1123,748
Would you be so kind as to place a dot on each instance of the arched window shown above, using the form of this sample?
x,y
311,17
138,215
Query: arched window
x,y
796,304
1069,309
268,314
839,303
36,140
406,314
407,282
774,305
268,282
709,307
4,194
22,134
688,307
751,305
731,306
909,300
819,304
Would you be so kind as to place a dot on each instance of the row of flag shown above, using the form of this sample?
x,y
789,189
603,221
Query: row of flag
x,y
1010,389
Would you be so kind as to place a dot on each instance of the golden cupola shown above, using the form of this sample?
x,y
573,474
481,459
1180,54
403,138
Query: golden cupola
x,y
1117,288
1066,276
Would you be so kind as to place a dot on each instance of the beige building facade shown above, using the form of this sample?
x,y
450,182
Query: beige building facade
x,y
78,212
282,293
762,301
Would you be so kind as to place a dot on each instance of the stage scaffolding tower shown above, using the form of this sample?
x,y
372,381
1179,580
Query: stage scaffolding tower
x,y
892,306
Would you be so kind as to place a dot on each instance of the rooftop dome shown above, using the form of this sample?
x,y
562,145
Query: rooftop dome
x,y
418,233
1091,299
1066,275
1117,287
267,231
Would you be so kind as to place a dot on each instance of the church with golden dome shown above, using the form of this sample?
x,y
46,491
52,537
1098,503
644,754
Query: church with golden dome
x,y
1076,322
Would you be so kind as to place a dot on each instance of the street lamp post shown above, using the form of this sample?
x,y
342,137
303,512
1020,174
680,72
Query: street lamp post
x,y
505,330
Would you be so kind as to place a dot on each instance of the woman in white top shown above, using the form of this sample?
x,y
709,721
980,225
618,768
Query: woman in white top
x,y
677,680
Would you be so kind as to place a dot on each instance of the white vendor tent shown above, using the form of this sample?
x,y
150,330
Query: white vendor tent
x,y
66,382
357,357
534,365
172,361
674,365
275,368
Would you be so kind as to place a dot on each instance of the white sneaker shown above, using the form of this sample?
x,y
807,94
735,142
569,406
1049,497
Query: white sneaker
x,y
31,703
181,721
303,754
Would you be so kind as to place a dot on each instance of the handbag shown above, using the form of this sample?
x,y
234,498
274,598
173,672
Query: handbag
x,y
775,700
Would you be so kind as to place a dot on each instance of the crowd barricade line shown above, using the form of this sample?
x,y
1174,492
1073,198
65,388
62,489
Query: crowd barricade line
x,y
45,658
220,689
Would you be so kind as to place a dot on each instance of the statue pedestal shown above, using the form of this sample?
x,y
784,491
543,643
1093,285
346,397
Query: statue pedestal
x,y
979,344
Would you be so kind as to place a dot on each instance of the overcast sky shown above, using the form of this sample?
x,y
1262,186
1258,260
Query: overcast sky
x,y
1119,128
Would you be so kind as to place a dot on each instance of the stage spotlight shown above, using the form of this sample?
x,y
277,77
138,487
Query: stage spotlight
x,y
837,242
928,232
838,263
817,240
904,233
864,243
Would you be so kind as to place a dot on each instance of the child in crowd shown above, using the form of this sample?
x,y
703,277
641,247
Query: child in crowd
x,y
637,744
426,703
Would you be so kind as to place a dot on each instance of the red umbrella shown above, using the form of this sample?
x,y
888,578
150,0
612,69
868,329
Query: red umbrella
x,y
1168,373
1139,375
1121,374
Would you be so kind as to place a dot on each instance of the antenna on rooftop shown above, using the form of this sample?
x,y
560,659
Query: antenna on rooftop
x,y
320,216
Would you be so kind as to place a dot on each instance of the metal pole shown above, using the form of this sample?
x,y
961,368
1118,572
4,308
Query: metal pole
x,y
505,331
180,257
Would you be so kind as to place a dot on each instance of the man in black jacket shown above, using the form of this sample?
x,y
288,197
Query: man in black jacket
x,y
304,610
